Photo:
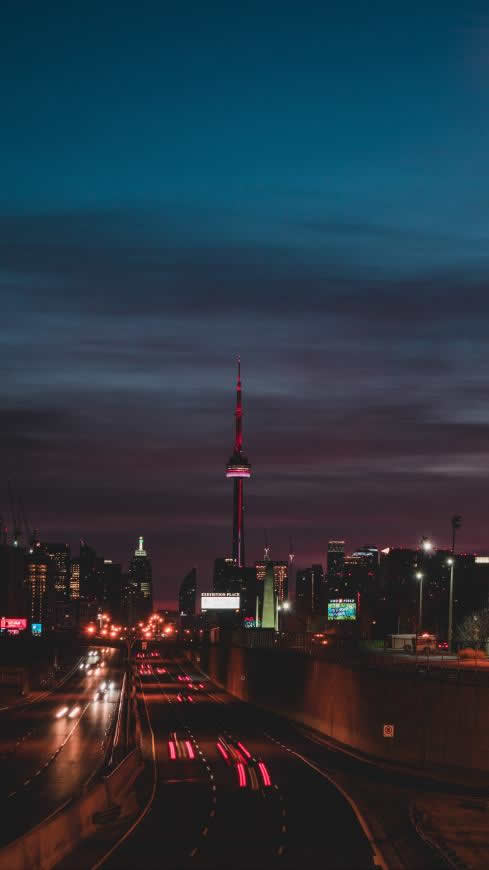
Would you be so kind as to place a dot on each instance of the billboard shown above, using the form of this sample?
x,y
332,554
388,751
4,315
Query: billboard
x,y
342,609
13,624
250,622
219,601
36,628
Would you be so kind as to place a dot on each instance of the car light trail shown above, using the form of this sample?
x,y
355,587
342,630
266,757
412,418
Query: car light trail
x,y
190,749
244,749
222,751
241,775
265,774
171,749
61,712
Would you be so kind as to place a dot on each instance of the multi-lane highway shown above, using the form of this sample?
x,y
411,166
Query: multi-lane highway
x,y
49,749
227,791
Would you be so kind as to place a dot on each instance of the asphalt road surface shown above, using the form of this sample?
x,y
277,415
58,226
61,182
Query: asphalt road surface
x,y
45,758
229,793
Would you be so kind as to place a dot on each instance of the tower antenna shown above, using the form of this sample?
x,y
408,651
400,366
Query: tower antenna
x,y
239,469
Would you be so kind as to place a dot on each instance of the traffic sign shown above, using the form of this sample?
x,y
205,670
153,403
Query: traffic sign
x,y
388,730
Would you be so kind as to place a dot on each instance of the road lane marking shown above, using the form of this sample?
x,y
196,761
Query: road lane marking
x,y
378,858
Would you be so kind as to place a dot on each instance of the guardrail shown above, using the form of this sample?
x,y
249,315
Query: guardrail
x,y
118,744
52,840
102,798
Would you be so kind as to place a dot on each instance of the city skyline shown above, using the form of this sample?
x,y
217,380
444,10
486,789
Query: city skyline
x,y
322,219
166,586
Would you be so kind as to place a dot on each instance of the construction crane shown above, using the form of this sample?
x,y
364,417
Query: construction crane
x,y
27,529
291,552
16,529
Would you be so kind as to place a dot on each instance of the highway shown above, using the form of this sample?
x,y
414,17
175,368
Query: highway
x,y
49,749
227,791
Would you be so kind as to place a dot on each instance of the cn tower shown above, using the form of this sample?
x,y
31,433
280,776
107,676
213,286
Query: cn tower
x,y
238,468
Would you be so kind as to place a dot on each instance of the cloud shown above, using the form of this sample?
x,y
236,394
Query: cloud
x,y
364,401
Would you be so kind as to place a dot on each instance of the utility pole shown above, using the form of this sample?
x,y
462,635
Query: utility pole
x,y
456,522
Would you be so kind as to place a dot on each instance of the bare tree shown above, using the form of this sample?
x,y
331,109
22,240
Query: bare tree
x,y
474,630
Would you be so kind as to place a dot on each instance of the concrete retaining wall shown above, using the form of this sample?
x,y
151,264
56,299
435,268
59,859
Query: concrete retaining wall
x,y
49,842
437,725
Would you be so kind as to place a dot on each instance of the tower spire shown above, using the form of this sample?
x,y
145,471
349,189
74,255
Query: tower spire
x,y
238,468
238,439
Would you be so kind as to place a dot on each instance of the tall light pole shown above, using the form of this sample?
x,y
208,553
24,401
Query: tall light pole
x,y
419,576
450,562
285,605
426,547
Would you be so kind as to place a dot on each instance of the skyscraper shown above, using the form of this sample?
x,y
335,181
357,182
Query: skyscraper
x,y
140,586
335,566
75,579
88,559
12,591
39,577
112,589
238,469
60,554
310,593
187,593
280,577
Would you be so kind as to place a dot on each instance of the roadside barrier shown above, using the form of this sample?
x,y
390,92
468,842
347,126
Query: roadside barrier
x,y
50,841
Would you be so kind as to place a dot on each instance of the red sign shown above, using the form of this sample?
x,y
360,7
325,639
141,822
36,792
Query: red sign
x,y
9,623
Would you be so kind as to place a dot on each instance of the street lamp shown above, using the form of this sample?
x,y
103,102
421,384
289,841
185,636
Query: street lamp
x,y
426,546
419,576
450,562
285,605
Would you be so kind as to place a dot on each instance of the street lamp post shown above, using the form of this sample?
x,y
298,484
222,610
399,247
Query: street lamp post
x,y
285,605
426,547
419,576
450,562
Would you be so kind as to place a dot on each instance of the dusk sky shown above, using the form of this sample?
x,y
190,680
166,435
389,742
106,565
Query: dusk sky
x,y
305,184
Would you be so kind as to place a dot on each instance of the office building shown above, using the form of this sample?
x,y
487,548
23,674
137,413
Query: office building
x,y
280,577
310,591
12,590
39,580
88,575
60,554
335,566
187,593
74,589
140,584
112,594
